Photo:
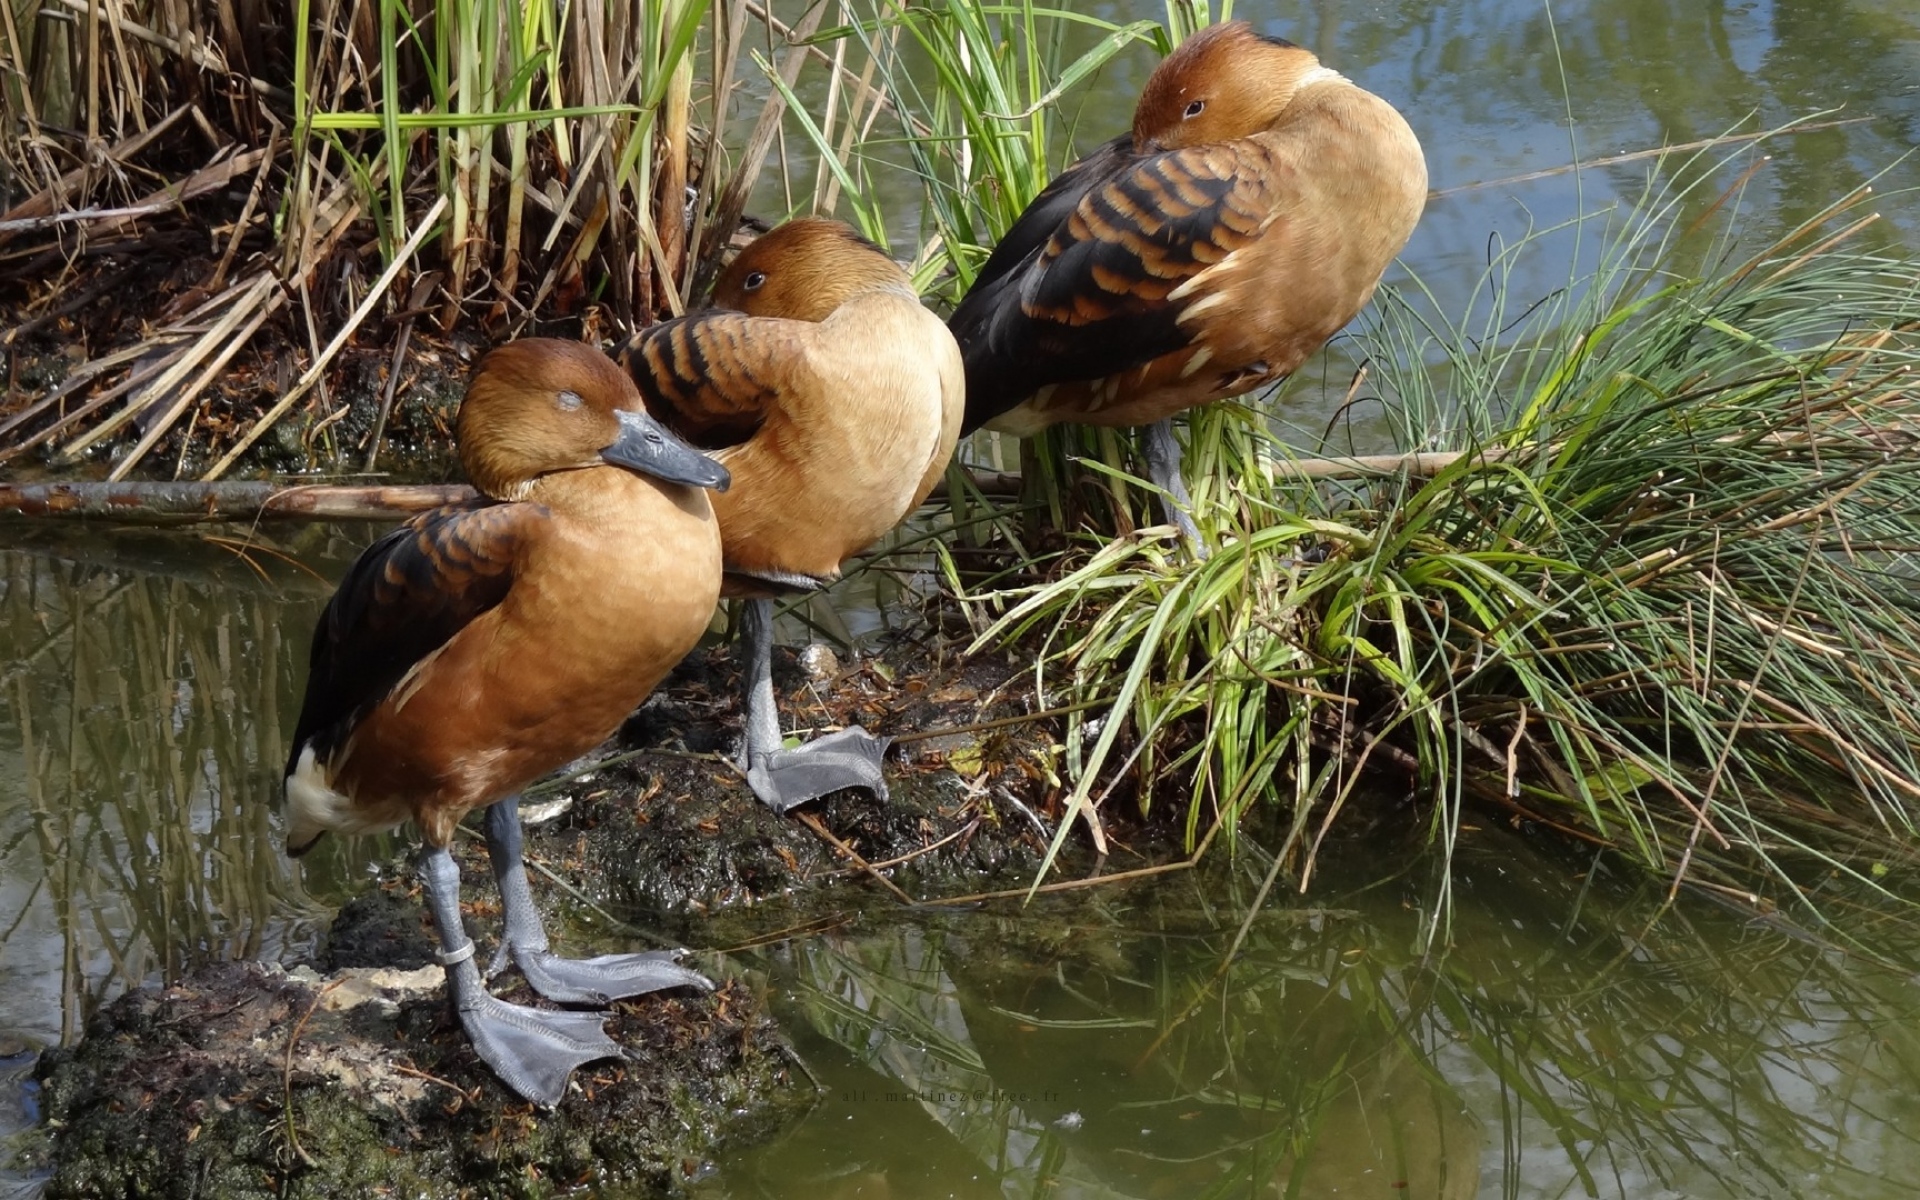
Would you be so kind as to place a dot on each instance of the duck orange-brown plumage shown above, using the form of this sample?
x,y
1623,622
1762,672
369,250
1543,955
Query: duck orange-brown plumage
x,y
831,394
834,398
480,646
1246,218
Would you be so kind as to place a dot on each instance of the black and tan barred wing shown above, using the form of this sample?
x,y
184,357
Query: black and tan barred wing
x,y
406,596
1097,297
714,377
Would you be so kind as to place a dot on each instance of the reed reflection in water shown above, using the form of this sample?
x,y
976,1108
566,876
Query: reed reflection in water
x,y
147,691
1567,1034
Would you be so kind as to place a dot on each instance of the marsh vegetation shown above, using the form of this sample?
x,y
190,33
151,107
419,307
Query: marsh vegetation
x,y
1598,527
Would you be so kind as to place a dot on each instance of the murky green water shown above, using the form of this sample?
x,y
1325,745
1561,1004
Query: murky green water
x,y
1554,1039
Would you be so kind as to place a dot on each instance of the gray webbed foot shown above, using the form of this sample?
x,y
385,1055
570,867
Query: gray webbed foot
x,y
852,757
607,978
534,1052
783,778
523,941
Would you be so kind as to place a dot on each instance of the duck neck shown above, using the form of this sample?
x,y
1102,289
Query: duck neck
x,y
607,495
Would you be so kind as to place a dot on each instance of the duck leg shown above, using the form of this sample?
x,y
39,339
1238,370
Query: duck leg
x,y
782,778
568,980
1163,469
533,1052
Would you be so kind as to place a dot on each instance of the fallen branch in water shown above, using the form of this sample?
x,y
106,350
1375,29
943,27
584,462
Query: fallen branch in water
x,y
187,502
180,503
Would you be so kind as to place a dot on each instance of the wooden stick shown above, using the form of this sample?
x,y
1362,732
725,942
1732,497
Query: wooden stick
x,y
179,503
169,503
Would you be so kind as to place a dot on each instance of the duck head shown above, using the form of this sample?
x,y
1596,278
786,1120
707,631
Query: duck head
x,y
540,405
1224,82
805,269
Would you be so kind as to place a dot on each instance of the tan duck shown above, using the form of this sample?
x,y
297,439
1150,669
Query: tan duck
x,y
480,646
1245,219
834,399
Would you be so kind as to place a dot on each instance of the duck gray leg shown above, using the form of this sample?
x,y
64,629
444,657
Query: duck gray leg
x,y
533,1052
1163,469
782,778
568,980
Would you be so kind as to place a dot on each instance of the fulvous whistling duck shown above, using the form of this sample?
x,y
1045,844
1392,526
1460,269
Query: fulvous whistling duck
x,y
1245,220
482,645
834,399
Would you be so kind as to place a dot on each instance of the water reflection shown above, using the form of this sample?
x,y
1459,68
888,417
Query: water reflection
x,y
1565,1042
147,689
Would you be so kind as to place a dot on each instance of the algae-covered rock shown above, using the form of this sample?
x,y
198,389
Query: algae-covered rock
x,y
246,1081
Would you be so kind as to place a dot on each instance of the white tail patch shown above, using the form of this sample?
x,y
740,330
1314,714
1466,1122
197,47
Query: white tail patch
x,y
314,808
1319,75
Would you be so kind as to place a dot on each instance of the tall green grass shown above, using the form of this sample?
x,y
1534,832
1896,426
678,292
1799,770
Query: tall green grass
x,y
1661,596
1654,592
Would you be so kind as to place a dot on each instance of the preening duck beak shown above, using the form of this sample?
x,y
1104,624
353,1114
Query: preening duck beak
x,y
646,446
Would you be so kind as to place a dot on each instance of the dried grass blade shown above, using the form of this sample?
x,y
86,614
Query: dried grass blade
x,y
313,373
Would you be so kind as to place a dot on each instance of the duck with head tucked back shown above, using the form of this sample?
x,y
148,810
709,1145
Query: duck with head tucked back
x,y
482,645
1245,219
834,398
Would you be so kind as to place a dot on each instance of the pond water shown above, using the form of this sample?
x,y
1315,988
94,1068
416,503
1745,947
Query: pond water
x,y
1562,1032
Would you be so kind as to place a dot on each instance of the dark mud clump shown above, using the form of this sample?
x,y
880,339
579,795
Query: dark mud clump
x,y
247,1081
675,829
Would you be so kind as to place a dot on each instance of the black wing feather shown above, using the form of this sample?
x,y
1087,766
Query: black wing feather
x,y
703,375
406,595
1078,291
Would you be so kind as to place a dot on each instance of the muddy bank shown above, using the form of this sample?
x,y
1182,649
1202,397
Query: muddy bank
x,y
675,829
245,1080
346,1072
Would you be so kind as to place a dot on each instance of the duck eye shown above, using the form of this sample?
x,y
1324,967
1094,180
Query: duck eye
x,y
753,280
568,401
1194,110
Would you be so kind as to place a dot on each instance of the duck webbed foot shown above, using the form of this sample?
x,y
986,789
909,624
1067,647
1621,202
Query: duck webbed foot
x,y
851,757
597,981
786,778
532,1051
1163,469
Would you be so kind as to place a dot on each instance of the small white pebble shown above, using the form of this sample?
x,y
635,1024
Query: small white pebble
x,y
819,662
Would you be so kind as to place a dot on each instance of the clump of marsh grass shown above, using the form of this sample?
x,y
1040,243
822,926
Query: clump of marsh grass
x,y
1628,576
465,161
1654,589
